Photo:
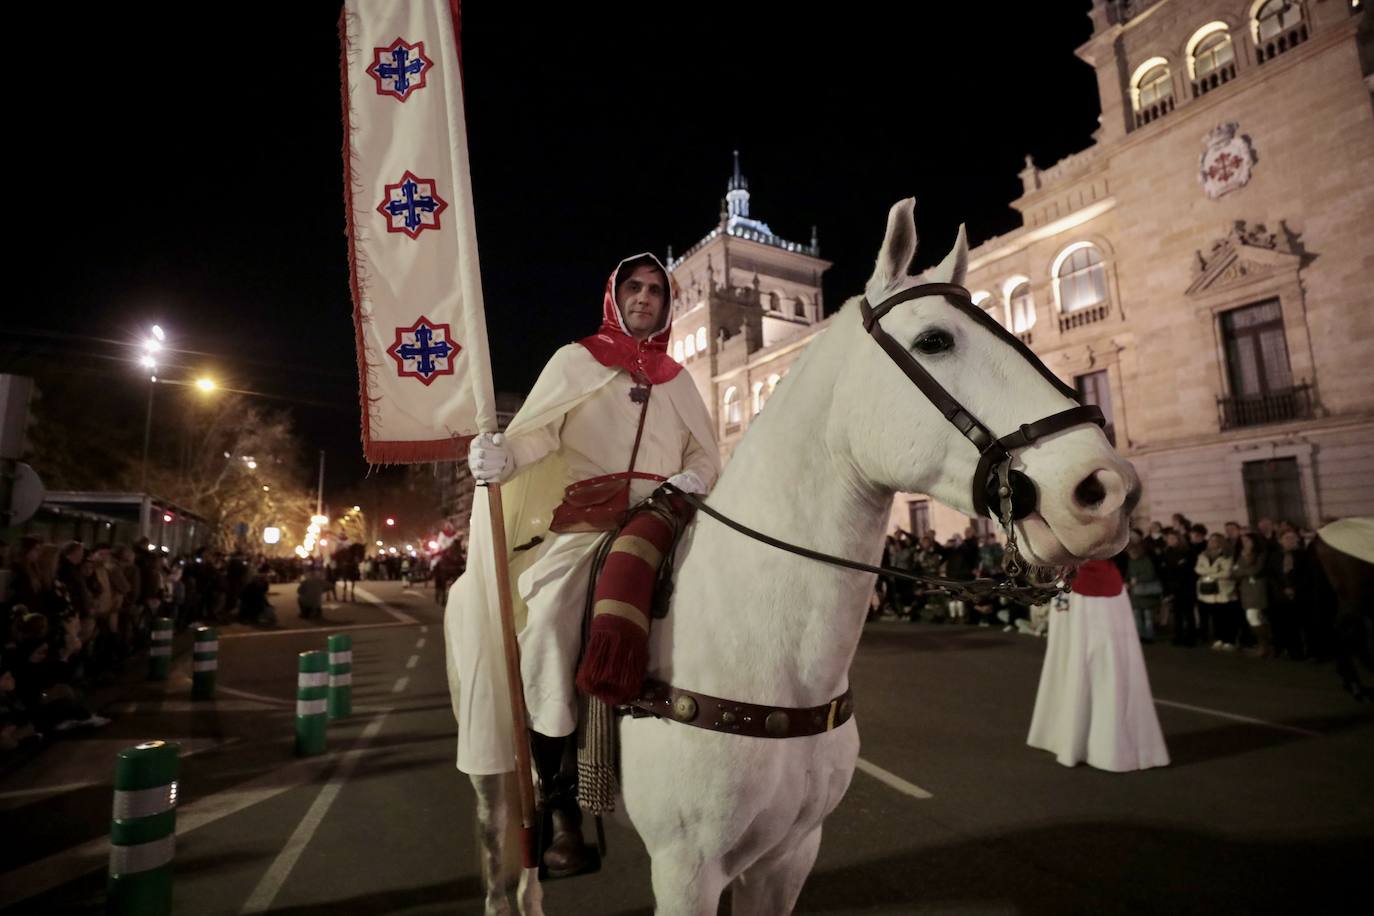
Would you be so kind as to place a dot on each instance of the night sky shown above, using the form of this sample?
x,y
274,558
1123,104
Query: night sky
x,y
185,169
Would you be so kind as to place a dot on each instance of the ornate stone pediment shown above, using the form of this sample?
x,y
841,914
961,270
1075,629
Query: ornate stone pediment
x,y
1248,252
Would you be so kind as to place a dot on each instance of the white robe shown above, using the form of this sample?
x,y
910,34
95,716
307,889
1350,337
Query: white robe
x,y
1094,703
548,453
595,438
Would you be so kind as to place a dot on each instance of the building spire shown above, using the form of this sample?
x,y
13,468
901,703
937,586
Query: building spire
x,y
737,191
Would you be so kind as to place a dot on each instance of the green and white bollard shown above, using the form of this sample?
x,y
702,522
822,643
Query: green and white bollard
x,y
160,652
340,676
312,703
143,830
204,663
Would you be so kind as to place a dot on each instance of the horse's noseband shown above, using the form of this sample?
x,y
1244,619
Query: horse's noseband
x,y
995,485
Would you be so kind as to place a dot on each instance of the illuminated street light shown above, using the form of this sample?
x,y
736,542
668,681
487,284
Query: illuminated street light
x,y
206,384
380,544
147,362
157,333
391,523
357,508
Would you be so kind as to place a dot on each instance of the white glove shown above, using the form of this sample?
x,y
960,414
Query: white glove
x,y
688,482
489,460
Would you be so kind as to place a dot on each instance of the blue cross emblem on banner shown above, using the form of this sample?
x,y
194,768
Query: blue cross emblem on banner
x,y
400,69
424,350
412,205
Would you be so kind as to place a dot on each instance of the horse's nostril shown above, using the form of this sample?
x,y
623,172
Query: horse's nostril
x,y
1089,493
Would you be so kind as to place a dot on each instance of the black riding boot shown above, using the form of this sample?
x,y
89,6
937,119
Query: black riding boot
x,y
566,853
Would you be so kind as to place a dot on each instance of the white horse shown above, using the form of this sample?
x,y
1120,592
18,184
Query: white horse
x,y
819,468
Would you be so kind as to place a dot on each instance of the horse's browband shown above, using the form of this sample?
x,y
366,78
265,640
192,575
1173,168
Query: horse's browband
x,y
733,717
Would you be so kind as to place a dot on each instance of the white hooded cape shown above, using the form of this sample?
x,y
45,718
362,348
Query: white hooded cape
x,y
472,626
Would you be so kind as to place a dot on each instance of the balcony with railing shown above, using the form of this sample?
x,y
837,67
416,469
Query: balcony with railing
x,y
1237,411
1154,112
1285,40
1080,317
1218,77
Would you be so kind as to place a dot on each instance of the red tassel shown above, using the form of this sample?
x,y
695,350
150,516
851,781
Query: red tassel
x,y
614,663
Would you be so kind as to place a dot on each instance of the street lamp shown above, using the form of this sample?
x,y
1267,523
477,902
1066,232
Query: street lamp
x,y
206,384
149,361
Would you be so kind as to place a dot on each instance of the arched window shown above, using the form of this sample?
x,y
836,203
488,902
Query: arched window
x,y
1152,91
758,397
773,382
1022,308
1081,278
1275,17
701,340
1155,86
800,308
1212,54
677,350
732,410
1278,26
691,347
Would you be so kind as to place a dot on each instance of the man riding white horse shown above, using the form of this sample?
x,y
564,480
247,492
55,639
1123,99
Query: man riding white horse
x,y
610,418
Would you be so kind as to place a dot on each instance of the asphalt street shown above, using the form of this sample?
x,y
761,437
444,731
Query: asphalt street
x,y
1268,806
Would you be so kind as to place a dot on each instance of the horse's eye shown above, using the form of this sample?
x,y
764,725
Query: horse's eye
x,y
934,342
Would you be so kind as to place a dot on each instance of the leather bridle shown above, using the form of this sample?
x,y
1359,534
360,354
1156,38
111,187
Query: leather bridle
x,y
994,474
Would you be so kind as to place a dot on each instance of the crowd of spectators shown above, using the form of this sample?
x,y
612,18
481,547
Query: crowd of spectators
x,y
1259,591
72,616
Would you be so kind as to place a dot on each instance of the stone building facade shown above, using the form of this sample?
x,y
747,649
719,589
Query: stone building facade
x,y
748,302
1202,270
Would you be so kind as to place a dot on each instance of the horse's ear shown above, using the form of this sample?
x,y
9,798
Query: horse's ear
x,y
899,247
954,268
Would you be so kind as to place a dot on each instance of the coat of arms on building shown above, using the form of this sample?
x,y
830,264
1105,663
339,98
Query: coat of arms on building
x,y
1227,158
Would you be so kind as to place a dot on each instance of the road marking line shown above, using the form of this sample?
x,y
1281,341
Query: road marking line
x,y
1238,718
61,867
892,780
420,643
400,685
275,701
412,661
325,627
373,599
266,892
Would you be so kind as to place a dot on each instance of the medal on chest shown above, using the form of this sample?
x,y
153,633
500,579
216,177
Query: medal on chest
x,y
640,392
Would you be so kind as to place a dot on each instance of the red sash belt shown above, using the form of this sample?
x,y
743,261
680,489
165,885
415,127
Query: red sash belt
x,y
597,503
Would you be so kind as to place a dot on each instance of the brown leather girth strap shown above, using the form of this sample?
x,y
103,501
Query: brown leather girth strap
x,y
736,718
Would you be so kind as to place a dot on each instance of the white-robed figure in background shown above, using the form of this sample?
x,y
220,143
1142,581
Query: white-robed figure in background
x,y
581,423
1094,704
